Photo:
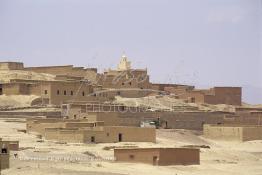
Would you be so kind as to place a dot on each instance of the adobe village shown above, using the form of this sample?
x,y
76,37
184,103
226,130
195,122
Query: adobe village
x,y
75,120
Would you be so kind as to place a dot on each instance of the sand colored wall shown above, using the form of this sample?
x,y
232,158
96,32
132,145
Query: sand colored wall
x,y
11,66
174,120
136,155
244,119
223,133
4,161
40,128
101,134
134,78
82,124
61,70
15,89
69,135
57,92
233,132
110,134
216,95
80,92
252,133
179,156
134,117
56,70
39,125
4,157
159,156
225,95
172,88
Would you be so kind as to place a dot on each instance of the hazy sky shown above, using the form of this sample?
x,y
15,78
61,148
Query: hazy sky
x,y
199,42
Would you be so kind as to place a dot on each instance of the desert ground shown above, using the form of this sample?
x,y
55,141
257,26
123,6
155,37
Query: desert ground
x,y
40,157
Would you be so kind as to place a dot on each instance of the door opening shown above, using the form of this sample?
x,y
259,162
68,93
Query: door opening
x,y
120,137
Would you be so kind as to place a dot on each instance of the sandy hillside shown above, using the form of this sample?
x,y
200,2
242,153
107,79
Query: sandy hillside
x,y
52,158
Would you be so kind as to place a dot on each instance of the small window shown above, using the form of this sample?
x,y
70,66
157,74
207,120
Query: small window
x,y
130,83
118,92
123,83
57,92
74,116
45,91
72,93
83,93
107,134
64,92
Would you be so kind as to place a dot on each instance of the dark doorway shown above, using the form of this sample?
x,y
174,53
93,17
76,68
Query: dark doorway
x,y
4,150
93,140
155,160
1,90
120,137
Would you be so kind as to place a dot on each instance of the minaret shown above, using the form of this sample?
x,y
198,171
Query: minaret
x,y
124,64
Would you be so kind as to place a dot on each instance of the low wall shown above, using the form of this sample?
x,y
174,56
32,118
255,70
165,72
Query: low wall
x,y
159,156
233,132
